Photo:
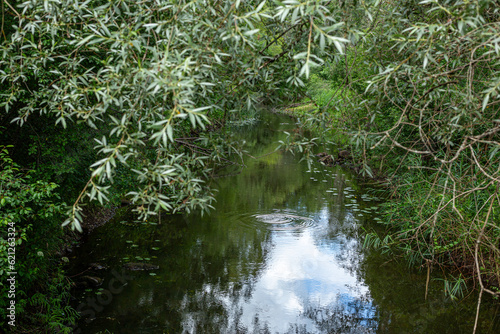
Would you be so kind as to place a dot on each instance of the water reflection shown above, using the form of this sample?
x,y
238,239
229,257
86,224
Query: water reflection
x,y
281,254
304,284
301,276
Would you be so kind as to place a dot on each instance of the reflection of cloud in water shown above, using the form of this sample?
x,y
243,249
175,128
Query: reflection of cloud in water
x,y
305,287
299,279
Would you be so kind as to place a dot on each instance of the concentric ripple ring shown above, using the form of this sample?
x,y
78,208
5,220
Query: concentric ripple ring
x,y
283,221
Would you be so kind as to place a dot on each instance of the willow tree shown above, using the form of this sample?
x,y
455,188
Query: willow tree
x,y
147,71
432,109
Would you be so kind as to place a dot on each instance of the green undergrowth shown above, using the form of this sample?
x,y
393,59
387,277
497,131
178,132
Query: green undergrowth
x,y
34,291
327,106
436,223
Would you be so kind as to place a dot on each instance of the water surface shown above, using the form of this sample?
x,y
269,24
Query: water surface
x,y
282,253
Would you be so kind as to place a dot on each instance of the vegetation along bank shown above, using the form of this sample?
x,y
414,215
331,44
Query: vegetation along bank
x,y
415,96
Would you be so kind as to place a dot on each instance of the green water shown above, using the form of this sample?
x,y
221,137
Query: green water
x,y
282,253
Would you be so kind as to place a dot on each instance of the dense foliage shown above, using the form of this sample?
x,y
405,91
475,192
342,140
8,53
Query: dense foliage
x,y
30,235
120,98
437,104
418,94
150,72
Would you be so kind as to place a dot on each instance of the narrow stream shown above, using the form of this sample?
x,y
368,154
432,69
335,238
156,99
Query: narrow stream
x,y
282,253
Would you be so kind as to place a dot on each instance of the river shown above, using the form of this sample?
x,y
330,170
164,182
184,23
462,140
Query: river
x,y
282,253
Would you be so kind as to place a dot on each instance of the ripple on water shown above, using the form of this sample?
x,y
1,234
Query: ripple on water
x,y
283,221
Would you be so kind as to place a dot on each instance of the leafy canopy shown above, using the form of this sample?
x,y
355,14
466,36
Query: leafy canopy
x,y
149,71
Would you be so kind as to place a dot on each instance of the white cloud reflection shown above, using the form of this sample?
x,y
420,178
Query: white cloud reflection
x,y
300,275
306,281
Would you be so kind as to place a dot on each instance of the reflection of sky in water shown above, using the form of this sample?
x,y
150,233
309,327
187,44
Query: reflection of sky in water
x,y
303,282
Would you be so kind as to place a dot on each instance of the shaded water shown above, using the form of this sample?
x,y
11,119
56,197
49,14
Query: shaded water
x,y
282,253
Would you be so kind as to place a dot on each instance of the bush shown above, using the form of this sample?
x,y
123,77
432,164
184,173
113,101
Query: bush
x,y
30,218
